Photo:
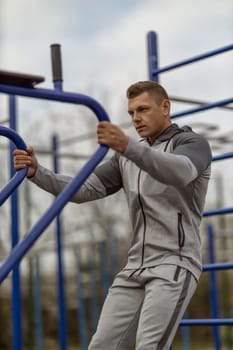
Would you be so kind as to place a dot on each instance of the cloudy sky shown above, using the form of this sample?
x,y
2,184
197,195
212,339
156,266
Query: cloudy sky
x,y
104,42
104,48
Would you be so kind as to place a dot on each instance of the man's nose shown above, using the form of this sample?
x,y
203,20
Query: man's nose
x,y
136,117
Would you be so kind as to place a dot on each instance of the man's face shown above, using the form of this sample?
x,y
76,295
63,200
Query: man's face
x,y
149,118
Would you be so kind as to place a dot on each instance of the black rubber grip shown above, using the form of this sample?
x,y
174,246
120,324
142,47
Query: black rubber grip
x,y
56,62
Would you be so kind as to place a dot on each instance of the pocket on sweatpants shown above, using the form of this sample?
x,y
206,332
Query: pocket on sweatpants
x,y
167,272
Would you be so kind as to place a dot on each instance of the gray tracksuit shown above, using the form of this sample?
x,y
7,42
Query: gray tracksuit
x,y
165,186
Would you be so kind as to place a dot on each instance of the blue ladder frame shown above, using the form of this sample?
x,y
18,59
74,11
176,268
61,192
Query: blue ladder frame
x,y
22,247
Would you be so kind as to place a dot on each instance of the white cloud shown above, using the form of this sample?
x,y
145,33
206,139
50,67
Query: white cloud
x,y
104,46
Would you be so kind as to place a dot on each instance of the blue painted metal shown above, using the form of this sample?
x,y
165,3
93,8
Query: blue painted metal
x,y
208,322
185,335
58,85
17,178
103,268
81,309
59,96
202,108
221,211
223,156
213,287
113,250
153,56
22,247
193,59
154,75
16,299
218,212
39,344
219,266
60,264
94,312
17,254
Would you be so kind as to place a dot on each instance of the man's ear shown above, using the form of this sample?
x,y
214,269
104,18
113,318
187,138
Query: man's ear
x,y
166,107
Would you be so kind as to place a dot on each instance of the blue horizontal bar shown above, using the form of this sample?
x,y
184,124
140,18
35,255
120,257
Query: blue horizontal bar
x,y
57,95
201,108
218,266
16,180
193,59
218,212
223,156
207,322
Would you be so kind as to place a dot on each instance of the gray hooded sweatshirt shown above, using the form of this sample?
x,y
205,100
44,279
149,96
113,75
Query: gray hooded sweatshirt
x,y
165,185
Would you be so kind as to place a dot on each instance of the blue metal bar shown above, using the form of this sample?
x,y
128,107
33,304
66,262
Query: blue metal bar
x,y
207,322
58,85
103,268
223,156
17,178
154,72
22,248
218,266
213,287
60,269
193,59
39,344
113,250
202,108
59,96
153,56
218,212
185,335
81,310
94,312
16,299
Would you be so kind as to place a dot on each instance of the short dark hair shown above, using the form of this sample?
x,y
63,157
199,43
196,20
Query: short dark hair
x,y
153,88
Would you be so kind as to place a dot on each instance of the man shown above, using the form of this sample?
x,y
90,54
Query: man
x,y
165,177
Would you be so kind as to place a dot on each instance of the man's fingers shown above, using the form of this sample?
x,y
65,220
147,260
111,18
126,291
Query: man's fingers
x,y
30,150
19,151
21,159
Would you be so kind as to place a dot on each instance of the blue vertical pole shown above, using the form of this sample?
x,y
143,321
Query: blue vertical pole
x,y
16,283
37,304
60,269
114,250
93,287
81,310
185,335
153,57
213,287
103,269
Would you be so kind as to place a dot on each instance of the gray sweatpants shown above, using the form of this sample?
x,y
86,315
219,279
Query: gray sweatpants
x,y
144,307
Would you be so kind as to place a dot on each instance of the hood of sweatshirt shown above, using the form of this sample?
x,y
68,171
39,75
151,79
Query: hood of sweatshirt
x,y
172,130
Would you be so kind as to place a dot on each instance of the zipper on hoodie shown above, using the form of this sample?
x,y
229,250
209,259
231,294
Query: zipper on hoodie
x,y
181,234
144,218
143,212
